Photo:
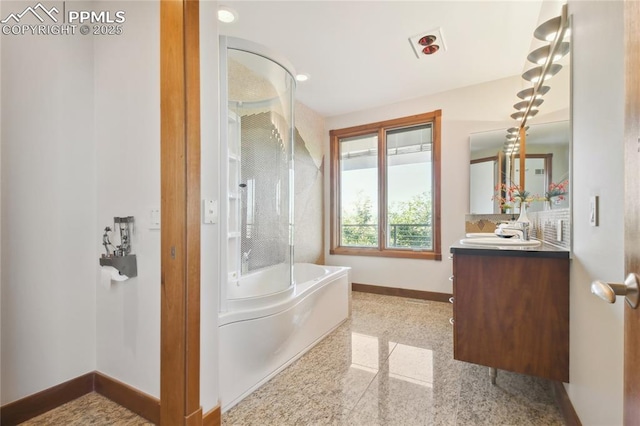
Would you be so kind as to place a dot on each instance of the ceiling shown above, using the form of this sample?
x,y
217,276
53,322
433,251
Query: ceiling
x,y
358,53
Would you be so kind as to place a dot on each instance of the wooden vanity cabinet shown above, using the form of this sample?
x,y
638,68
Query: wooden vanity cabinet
x,y
511,311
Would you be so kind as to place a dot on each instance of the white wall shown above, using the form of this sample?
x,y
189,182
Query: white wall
x,y
48,211
210,245
80,145
127,128
596,327
471,109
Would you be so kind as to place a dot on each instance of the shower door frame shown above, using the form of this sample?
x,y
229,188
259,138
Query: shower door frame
x,y
226,43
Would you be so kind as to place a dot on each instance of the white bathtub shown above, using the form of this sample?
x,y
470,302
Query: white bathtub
x,y
260,336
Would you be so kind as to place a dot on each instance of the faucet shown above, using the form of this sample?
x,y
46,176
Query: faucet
x,y
245,262
521,228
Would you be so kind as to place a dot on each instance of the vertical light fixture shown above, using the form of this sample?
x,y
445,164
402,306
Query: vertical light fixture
x,y
554,31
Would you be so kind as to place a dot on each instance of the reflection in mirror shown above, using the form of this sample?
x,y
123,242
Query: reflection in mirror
x,y
547,161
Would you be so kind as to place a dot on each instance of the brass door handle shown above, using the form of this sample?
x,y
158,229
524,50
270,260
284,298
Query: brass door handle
x,y
609,291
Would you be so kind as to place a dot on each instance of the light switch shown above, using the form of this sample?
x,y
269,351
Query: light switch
x,y
154,218
209,211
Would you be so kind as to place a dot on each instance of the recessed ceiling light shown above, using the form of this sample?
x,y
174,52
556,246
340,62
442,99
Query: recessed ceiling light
x,y
227,15
302,77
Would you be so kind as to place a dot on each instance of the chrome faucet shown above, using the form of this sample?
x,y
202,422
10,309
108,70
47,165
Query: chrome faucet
x,y
520,228
523,227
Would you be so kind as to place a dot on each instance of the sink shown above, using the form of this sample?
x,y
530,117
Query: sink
x,y
499,242
480,234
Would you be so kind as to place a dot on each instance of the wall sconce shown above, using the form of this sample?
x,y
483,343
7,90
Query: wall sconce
x,y
522,106
536,74
554,31
542,54
520,115
515,131
548,30
527,94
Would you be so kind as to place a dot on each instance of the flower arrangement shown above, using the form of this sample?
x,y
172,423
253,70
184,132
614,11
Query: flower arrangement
x,y
557,190
507,195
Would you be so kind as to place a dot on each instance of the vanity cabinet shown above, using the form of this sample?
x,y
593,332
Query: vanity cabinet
x,y
511,310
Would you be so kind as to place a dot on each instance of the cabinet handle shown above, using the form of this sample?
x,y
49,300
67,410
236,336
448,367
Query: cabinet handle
x,y
451,299
451,278
451,321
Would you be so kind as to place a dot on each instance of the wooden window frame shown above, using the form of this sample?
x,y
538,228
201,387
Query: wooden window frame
x,y
381,128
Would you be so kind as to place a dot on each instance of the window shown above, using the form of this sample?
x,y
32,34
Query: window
x,y
385,188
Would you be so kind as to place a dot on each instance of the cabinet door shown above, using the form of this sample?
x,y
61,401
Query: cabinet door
x,y
512,313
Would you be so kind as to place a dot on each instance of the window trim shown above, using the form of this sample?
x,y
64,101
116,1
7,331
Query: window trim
x,y
381,127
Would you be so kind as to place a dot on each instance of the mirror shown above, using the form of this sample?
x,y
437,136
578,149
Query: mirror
x,y
546,140
546,161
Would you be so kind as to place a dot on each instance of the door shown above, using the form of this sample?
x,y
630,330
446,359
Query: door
x,y
632,209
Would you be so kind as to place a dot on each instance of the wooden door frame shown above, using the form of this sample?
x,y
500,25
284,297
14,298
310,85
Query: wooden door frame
x,y
180,212
632,206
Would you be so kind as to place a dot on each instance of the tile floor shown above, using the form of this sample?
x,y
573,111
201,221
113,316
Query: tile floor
x,y
89,409
391,363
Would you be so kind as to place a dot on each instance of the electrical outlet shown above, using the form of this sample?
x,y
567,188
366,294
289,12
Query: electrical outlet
x,y
209,211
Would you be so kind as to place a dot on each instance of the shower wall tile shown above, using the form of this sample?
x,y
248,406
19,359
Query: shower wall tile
x,y
309,137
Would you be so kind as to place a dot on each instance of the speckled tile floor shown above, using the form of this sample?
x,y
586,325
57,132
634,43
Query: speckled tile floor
x,y
392,363
89,409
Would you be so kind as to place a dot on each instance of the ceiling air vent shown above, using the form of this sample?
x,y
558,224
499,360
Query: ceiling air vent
x,y
427,43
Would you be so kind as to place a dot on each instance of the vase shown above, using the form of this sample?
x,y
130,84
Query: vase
x,y
523,218
549,204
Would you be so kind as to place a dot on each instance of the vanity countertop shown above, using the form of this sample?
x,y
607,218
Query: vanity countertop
x,y
543,250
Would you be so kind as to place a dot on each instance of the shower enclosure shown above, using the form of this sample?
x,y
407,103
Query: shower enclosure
x,y
257,92
271,312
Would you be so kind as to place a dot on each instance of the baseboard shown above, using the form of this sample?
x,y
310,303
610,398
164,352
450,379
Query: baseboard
x,y
566,407
212,417
401,292
39,403
130,398
142,404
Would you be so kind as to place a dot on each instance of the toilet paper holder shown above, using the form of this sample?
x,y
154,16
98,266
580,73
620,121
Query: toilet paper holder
x,y
120,257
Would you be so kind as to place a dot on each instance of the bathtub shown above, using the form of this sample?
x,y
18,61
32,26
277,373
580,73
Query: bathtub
x,y
260,336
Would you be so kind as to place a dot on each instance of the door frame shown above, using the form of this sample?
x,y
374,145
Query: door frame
x,y
180,212
631,401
